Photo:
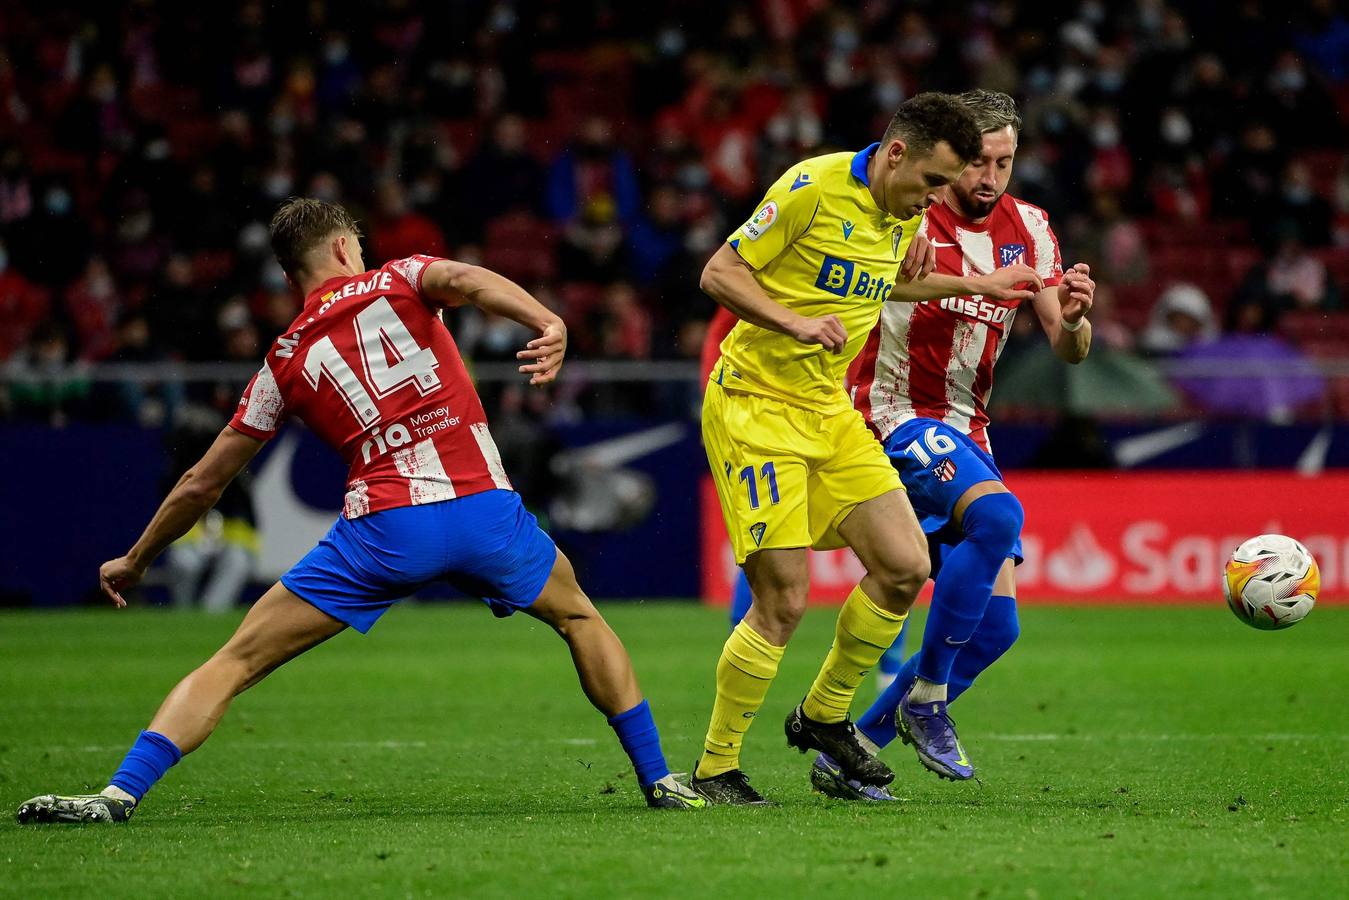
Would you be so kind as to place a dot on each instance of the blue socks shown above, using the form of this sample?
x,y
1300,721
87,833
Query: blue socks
x,y
991,525
995,634
994,637
741,599
636,731
146,762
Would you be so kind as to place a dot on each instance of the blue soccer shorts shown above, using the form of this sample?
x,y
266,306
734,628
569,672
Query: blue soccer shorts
x,y
486,545
938,464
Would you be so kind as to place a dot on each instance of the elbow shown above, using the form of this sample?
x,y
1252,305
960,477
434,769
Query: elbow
x,y
464,278
707,281
199,490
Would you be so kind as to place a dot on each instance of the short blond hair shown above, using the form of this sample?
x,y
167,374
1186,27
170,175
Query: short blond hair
x,y
301,224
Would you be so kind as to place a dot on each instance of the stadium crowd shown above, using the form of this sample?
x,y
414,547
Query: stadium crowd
x,y
598,152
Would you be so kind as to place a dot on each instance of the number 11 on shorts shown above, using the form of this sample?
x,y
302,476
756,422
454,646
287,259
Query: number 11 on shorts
x,y
767,473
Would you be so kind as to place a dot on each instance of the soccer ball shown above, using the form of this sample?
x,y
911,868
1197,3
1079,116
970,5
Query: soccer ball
x,y
1271,582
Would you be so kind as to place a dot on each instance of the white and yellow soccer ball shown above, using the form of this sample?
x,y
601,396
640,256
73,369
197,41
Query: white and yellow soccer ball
x,y
1271,582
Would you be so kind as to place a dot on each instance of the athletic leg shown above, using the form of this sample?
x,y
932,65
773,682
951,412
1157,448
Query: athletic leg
x,y
606,673
741,599
609,682
279,627
995,635
748,663
885,535
990,519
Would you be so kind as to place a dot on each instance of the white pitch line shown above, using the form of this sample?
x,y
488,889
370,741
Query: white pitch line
x,y
287,745
1275,737
1025,738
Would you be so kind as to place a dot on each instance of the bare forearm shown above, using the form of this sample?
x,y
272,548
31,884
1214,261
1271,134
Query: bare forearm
x,y
934,287
735,288
1073,346
500,296
185,505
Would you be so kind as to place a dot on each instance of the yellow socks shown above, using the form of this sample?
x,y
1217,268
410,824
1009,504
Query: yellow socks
x,y
747,667
864,632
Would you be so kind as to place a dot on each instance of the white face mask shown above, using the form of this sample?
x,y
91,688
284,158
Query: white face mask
x,y
335,52
58,201
1288,78
889,94
1176,129
1105,134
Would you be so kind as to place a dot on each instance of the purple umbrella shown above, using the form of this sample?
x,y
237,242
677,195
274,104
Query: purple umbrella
x,y
1247,374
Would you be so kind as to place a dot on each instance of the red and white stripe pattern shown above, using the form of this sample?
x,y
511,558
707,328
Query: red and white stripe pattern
x,y
370,367
935,359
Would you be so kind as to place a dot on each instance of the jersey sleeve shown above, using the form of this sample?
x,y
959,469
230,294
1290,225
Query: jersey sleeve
x,y
411,270
1048,263
262,407
784,215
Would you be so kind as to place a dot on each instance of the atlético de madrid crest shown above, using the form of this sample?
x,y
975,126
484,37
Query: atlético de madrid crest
x,y
1011,254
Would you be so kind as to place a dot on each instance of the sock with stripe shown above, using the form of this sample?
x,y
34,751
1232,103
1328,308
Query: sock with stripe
x,y
747,667
862,633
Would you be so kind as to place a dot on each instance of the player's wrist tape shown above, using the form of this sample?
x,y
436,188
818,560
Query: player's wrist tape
x,y
1073,326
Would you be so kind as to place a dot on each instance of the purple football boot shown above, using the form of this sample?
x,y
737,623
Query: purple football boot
x,y
932,733
827,778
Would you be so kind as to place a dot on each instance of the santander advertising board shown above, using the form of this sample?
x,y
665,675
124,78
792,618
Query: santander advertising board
x,y
1128,537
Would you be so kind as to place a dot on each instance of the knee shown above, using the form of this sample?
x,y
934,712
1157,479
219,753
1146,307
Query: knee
x,y
570,619
902,575
776,611
995,520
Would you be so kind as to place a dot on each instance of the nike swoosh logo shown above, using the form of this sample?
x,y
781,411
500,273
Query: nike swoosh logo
x,y
951,643
941,244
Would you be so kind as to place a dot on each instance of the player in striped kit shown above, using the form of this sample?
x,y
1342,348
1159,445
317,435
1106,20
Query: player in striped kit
x,y
923,381
369,366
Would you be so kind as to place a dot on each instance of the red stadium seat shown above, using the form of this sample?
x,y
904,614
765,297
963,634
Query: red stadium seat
x,y
521,246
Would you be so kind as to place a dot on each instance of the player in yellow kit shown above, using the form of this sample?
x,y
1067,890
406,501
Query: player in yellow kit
x,y
794,464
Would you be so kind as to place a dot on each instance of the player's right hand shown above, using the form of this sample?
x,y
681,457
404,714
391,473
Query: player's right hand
x,y
117,575
826,331
1002,284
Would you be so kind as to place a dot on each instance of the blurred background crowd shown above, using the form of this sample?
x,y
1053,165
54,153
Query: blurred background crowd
x,y
597,152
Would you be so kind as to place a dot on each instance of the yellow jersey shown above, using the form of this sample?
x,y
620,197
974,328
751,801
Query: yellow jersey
x,y
819,245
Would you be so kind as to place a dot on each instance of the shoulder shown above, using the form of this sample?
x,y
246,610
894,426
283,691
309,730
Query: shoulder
x,y
1024,214
809,176
410,269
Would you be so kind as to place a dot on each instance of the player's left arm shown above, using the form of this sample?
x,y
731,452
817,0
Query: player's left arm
x,y
452,283
191,498
1018,282
1062,309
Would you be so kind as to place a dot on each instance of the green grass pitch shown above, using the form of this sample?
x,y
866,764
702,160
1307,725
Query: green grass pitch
x,y
1149,752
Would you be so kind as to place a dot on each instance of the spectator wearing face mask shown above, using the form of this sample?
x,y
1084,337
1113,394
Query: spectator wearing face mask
x,y
1181,318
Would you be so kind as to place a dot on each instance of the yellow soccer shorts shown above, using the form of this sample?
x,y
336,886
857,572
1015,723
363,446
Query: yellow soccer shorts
x,y
786,476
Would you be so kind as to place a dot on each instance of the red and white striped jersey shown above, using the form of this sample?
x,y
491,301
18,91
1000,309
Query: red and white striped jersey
x,y
935,359
369,366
